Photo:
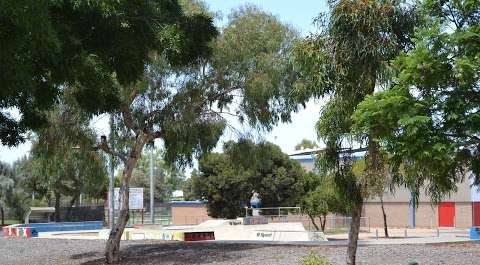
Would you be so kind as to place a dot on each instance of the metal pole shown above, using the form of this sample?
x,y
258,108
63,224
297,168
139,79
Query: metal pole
x,y
111,204
152,214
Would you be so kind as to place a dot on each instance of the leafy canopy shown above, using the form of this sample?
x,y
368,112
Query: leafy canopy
x,y
166,178
226,180
62,162
429,122
306,144
347,60
319,198
89,46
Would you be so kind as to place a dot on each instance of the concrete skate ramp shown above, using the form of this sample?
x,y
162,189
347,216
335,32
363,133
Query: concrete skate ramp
x,y
266,232
214,223
228,230
289,236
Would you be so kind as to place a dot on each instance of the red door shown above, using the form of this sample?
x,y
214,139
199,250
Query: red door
x,y
446,214
476,213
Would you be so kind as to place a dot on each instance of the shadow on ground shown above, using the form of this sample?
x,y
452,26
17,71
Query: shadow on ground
x,y
175,253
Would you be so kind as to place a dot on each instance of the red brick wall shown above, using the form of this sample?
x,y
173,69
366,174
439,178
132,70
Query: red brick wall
x,y
189,215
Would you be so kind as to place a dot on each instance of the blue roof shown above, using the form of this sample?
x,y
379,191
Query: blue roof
x,y
188,203
311,158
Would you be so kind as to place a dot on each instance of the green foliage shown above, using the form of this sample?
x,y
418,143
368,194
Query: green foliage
x,y
252,55
89,46
62,161
428,123
320,198
12,192
187,105
306,144
346,60
226,191
227,180
353,46
166,178
192,187
314,259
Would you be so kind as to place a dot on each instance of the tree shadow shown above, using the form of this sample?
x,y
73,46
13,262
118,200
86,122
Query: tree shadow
x,y
85,255
180,253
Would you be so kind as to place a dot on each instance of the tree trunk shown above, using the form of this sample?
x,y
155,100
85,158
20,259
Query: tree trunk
x,y
313,222
385,226
70,208
3,216
112,248
323,222
353,233
57,207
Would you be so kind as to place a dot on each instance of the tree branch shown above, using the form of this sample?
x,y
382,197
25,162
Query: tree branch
x,y
456,135
453,18
154,135
127,117
103,145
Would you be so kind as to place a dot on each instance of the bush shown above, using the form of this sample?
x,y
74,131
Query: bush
x,y
314,259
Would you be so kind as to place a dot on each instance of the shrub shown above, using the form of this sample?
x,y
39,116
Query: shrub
x,y
314,259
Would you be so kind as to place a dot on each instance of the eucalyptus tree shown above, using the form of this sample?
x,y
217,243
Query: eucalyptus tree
x,y
193,80
62,161
87,44
167,178
347,60
306,144
14,194
429,121
6,183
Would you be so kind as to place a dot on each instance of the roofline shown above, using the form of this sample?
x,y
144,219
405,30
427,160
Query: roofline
x,y
314,151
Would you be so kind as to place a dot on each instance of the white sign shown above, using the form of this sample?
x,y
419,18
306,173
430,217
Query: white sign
x,y
135,201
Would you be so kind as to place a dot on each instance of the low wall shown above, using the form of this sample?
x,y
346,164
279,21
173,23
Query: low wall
x,y
189,214
32,230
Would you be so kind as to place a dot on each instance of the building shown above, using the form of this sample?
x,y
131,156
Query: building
x,y
460,210
189,212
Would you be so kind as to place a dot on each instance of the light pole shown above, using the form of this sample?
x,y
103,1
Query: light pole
x,y
152,208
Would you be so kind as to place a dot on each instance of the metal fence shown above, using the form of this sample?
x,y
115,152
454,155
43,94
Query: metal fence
x,y
83,213
333,224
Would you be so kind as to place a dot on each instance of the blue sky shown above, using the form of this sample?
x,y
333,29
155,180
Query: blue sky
x,y
297,13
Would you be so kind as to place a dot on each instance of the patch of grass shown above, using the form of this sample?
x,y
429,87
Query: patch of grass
x,y
11,222
314,259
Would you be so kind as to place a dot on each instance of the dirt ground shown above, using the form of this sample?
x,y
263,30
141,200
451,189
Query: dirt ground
x,y
16,251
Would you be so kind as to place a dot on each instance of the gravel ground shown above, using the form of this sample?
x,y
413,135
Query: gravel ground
x,y
15,251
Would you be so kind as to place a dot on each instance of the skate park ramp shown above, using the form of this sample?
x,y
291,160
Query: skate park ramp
x,y
235,230
215,223
228,230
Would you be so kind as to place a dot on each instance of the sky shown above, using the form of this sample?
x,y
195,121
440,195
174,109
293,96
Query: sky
x,y
299,14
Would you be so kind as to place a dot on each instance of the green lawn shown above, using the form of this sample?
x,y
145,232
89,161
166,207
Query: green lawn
x,y
11,221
